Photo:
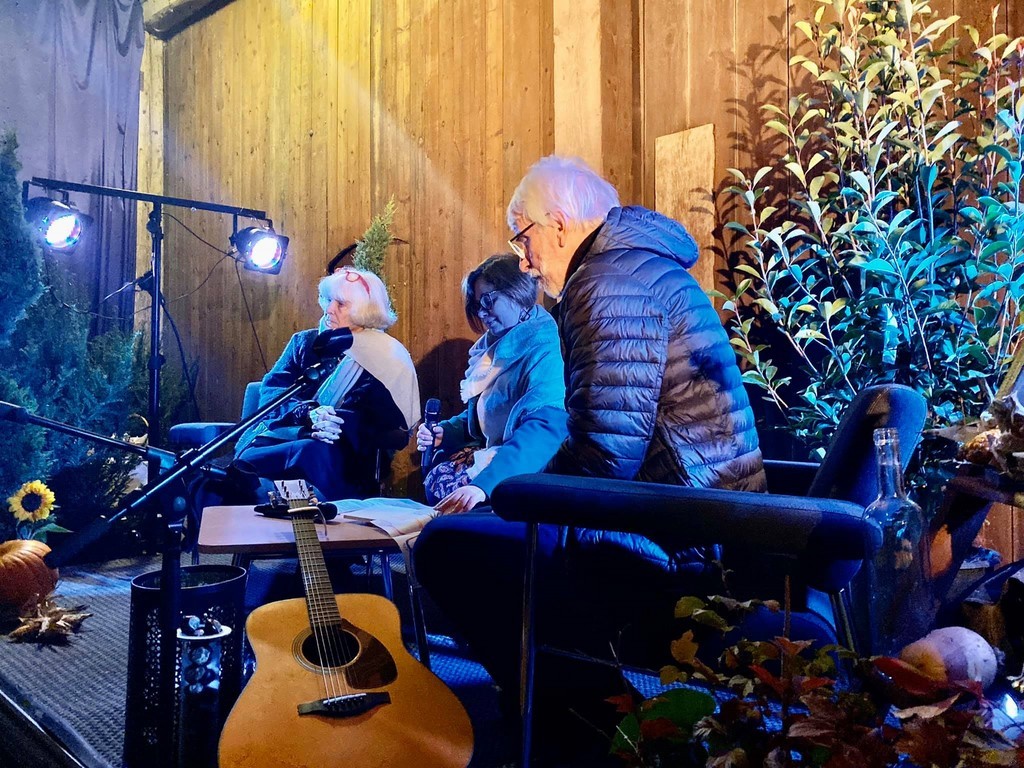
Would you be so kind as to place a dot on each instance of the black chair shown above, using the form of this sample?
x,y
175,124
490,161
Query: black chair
x,y
820,539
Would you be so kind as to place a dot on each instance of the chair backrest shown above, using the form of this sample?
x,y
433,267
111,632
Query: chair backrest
x,y
849,470
251,399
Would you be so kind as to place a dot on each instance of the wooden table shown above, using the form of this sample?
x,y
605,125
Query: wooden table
x,y
239,531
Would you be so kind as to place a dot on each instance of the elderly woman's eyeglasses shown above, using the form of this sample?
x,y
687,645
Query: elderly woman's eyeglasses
x,y
517,247
485,302
354,277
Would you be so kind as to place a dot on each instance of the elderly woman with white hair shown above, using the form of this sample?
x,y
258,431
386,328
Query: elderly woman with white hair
x,y
370,397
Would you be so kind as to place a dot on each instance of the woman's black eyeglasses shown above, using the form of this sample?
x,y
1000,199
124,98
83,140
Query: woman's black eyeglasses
x,y
485,302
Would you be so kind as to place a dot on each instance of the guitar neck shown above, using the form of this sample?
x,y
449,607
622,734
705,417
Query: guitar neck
x,y
320,602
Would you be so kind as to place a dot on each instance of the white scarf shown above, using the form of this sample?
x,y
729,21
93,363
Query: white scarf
x,y
387,361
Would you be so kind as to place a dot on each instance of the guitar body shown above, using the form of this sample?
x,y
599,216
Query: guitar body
x,y
424,725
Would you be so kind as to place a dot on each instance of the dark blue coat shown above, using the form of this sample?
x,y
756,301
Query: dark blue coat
x,y
653,389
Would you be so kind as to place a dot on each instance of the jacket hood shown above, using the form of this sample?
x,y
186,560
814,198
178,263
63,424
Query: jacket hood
x,y
635,227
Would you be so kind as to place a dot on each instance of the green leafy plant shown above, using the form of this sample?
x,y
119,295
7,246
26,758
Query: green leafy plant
x,y
372,247
785,703
887,244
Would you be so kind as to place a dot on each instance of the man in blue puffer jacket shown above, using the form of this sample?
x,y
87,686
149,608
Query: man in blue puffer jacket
x,y
653,393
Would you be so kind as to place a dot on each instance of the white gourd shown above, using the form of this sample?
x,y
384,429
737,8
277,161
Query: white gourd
x,y
953,654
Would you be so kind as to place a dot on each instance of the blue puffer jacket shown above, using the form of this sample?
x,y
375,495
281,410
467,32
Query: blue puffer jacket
x,y
654,391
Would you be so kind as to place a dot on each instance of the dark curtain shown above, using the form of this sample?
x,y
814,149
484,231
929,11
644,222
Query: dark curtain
x,y
70,74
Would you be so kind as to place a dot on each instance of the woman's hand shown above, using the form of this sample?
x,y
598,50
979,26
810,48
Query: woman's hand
x,y
423,437
460,500
326,424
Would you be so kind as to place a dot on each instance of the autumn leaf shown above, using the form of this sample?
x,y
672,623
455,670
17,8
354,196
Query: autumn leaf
x,y
735,758
929,742
791,648
813,729
766,677
927,711
907,677
660,728
711,619
687,606
684,650
802,685
670,674
623,703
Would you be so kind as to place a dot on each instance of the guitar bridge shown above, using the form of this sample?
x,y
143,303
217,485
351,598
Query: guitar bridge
x,y
350,705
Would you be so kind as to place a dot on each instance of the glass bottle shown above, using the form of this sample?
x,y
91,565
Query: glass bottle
x,y
900,596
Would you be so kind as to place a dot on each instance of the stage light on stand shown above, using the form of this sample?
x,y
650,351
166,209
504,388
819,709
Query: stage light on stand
x,y
60,226
260,249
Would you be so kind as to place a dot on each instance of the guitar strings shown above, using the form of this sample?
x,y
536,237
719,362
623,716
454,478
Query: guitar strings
x,y
300,545
337,651
331,653
336,639
334,683
322,639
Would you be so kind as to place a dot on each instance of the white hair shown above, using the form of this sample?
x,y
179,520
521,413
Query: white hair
x,y
561,184
369,307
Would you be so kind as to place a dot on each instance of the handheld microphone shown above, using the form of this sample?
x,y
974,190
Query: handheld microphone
x,y
430,414
332,343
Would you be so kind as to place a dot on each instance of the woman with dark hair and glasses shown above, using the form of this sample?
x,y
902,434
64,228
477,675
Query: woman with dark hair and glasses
x,y
369,401
514,392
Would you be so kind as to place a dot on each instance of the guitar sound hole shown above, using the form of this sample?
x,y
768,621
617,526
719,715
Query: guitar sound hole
x,y
330,647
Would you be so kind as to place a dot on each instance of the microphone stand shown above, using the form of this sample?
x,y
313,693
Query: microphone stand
x,y
170,570
18,414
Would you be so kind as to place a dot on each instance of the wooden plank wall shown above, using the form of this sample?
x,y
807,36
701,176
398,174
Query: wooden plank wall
x,y
318,112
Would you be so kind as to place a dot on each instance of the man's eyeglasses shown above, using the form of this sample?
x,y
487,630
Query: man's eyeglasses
x,y
485,302
513,242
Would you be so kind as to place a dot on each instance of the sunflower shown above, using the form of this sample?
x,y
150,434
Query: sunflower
x,y
33,502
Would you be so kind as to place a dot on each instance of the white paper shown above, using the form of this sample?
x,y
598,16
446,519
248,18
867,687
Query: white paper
x,y
396,517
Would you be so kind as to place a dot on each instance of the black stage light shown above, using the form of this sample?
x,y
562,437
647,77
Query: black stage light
x,y
60,225
260,249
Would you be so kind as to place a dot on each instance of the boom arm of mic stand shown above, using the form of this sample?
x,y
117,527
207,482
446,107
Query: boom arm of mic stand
x,y
20,415
182,466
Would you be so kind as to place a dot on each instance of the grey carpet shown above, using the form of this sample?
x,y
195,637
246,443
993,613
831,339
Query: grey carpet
x,y
77,691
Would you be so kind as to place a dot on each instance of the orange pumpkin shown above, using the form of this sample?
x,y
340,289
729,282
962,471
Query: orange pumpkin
x,y
23,574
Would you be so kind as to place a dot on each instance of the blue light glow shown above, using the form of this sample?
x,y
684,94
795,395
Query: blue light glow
x,y
63,231
1010,707
266,252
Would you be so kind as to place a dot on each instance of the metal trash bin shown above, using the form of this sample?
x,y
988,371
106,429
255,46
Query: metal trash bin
x,y
208,591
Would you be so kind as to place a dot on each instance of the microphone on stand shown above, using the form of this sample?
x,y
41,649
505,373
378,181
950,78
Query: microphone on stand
x,y
332,343
430,414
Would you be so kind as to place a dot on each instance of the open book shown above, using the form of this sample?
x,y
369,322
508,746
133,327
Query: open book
x,y
396,517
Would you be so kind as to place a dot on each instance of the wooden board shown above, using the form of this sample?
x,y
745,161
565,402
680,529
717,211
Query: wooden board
x,y
684,190
164,18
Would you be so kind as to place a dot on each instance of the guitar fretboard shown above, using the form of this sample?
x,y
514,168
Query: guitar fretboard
x,y
320,602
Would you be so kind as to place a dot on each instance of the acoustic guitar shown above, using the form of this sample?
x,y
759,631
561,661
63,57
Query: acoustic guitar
x,y
335,686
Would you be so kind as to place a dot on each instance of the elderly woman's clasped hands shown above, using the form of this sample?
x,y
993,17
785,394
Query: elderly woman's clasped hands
x,y
326,424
